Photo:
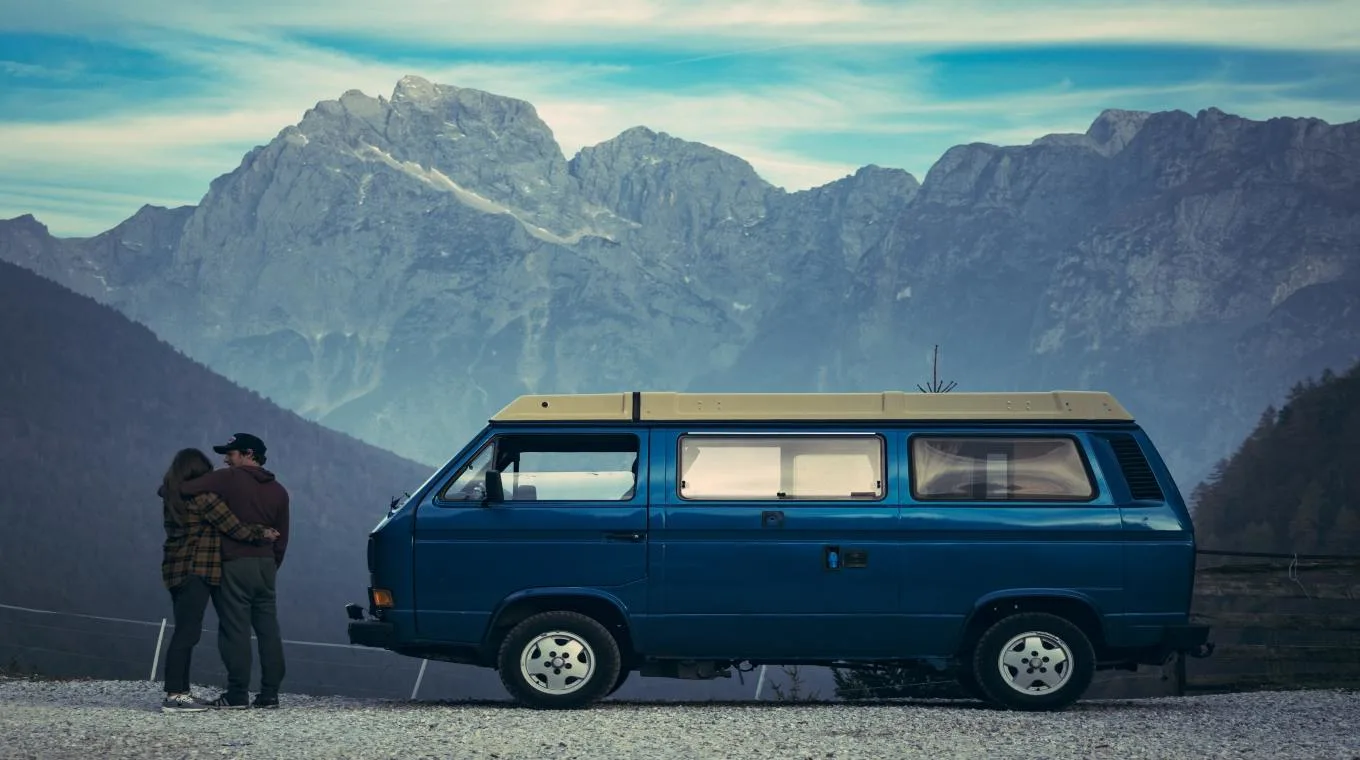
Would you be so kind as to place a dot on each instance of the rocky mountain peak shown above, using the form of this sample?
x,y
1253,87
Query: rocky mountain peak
x,y
638,148
24,224
641,173
869,187
1213,114
637,134
875,175
465,107
437,143
420,91
1114,128
953,178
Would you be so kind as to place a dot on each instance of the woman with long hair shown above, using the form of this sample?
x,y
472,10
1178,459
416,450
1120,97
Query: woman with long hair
x,y
192,565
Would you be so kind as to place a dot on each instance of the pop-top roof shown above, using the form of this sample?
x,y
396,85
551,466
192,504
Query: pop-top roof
x,y
832,407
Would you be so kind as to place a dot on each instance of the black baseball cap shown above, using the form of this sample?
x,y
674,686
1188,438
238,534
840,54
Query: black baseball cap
x,y
241,442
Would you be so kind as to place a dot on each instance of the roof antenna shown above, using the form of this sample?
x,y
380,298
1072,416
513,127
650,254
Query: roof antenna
x,y
935,385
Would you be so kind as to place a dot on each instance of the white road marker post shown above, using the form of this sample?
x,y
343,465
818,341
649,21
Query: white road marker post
x,y
156,660
419,677
760,682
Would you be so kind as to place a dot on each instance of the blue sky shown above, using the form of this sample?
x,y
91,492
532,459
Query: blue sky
x,y
105,106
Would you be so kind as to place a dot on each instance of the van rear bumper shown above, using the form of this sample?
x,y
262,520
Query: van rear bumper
x,y
1157,644
371,633
1184,638
1191,640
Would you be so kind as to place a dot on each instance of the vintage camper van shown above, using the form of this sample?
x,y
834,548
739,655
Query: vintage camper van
x,y
1020,541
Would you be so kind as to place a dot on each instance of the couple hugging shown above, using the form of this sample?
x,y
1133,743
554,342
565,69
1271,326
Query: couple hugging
x,y
225,534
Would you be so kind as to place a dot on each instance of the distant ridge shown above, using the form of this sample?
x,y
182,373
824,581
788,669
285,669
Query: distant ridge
x,y
93,406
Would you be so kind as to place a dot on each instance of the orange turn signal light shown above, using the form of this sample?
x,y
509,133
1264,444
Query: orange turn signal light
x,y
381,597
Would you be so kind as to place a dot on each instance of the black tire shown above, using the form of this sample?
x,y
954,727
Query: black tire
x,y
1053,634
601,670
623,676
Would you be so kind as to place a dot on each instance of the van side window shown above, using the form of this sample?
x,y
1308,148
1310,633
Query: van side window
x,y
824,467
998,469
568,467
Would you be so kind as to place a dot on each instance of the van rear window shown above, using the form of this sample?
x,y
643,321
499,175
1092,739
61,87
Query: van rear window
x,y
972,468
821,467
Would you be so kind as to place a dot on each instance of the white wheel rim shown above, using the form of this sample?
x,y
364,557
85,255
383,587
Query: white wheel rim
x,y
1035,663
557,662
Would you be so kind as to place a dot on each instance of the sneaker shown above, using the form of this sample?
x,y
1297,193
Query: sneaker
x,y
183,702
222,703
267,703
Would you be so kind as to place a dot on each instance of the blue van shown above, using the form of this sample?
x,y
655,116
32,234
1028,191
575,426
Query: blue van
x,y
1019,541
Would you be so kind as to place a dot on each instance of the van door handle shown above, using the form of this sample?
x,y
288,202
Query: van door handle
x,y
625,536
772,519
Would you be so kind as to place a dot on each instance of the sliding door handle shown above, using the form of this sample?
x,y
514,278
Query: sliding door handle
x,y
632,536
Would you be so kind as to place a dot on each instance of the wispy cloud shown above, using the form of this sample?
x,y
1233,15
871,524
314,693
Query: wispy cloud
x,y
805,90
1302,24
31,71
66,207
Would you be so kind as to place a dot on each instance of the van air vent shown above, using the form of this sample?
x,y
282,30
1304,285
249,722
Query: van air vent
x,y
1137,472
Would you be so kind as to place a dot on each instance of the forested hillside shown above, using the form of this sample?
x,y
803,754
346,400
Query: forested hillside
x,y
1294,483
92,408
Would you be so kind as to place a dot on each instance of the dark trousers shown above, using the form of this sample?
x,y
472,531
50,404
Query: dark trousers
x,y
246,601
190,600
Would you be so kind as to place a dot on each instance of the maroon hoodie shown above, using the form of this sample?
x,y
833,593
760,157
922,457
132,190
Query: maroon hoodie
x,y
254,496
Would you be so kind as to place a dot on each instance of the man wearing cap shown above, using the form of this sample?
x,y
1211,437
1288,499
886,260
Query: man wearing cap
x,y
246,599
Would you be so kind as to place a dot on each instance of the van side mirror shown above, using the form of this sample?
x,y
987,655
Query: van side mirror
x,y
495,492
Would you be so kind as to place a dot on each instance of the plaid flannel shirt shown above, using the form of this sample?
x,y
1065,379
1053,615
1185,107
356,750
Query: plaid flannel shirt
x,y
195,548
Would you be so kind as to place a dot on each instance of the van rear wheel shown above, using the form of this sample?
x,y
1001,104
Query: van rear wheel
x,y
559,660
1034,661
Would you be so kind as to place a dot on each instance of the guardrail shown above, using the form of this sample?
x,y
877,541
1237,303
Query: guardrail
x,y
65,644
1279,621
62,644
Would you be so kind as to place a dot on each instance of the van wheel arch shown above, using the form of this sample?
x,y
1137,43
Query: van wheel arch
x,y
602,611
1075,611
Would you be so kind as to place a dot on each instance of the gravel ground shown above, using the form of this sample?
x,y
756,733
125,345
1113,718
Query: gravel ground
x,y
122,719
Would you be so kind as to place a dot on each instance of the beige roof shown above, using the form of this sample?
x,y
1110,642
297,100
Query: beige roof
x,y
889,405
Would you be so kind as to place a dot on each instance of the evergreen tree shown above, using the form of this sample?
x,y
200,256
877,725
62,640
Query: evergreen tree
x,y
1344,536
1286,488
1305,527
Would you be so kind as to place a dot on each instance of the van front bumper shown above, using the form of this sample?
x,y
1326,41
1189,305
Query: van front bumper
x,y
371,633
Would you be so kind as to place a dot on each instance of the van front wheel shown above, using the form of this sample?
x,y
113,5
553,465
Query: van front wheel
x,y
1034,661
559,660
